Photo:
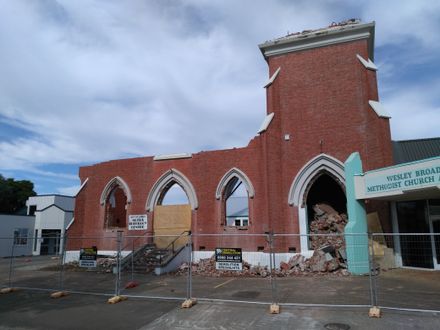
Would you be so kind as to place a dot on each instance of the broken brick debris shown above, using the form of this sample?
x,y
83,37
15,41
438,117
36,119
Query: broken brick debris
x,y
328,244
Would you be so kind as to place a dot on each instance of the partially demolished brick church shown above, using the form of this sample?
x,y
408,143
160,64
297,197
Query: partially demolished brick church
x,y
322,105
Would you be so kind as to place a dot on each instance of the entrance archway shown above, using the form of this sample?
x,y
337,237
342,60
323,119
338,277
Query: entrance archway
x,y
324,189
322,171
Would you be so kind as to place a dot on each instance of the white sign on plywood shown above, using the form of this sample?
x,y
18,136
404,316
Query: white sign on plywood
x,y
137,222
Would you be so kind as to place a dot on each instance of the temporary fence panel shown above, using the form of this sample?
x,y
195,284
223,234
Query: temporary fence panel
x,y
403,271
90,264
319,275
22,270
6,245
233,267
152,271
248,268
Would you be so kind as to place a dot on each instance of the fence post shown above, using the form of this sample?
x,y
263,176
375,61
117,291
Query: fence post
x,y
190,261
189,302
62,262
371,247
374,310
132,259
374,270
118,263
11,264
274,307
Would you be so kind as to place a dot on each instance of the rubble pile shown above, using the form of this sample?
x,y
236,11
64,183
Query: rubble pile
x,y
206,267
322,261
106,264
327,239
329,256
103,265
329,222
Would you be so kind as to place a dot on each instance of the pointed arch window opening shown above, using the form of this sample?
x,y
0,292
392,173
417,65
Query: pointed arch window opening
x,y
159,189
173,194
115,208
315,178
235,204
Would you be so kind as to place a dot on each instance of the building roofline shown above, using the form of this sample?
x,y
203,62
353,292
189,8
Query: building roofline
x,y
55,195
415,140
400,165
51,205
334,34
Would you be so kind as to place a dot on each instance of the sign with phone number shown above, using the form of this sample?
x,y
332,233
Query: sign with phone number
x,y
228,259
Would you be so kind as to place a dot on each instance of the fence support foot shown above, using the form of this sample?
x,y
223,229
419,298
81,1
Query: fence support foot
x,y
375,312
274,309
8,290
59,294
188,303
116,299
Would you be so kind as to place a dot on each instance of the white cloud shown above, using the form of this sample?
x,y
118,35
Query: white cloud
x,y
412,23
415,111
69,191
93,81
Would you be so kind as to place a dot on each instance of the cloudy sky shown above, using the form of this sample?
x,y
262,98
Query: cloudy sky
x,y
86,81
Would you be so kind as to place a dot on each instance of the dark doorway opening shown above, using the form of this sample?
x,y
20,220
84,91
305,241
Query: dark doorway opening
x,y
416,251
50,241
325,189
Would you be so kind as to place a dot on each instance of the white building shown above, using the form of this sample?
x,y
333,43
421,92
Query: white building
x,y
53,213
16,235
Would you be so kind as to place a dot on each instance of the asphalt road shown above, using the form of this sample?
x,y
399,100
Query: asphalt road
x,y
23,310
34,309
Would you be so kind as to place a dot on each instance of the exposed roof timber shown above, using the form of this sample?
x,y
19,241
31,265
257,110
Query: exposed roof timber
x,y
321,38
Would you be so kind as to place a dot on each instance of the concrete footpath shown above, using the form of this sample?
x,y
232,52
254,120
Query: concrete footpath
x,y
24,310
34,309
233,316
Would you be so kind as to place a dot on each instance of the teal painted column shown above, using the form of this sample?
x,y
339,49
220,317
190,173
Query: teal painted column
x,y
356,236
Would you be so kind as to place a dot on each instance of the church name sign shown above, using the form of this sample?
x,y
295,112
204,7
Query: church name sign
x,y
398,179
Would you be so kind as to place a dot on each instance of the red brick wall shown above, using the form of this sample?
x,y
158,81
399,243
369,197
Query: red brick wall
x,y
320,98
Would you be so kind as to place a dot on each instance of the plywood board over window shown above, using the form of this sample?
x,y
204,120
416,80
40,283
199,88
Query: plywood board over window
x,y
171,220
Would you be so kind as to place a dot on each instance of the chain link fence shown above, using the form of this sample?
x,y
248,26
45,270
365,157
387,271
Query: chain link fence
x,y
263,268
405,271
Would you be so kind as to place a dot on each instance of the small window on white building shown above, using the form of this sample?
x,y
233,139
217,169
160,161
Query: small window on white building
x,y
20,236
241,221
32,209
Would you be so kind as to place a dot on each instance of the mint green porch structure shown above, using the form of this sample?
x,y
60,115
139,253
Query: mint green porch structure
x,y
356,230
